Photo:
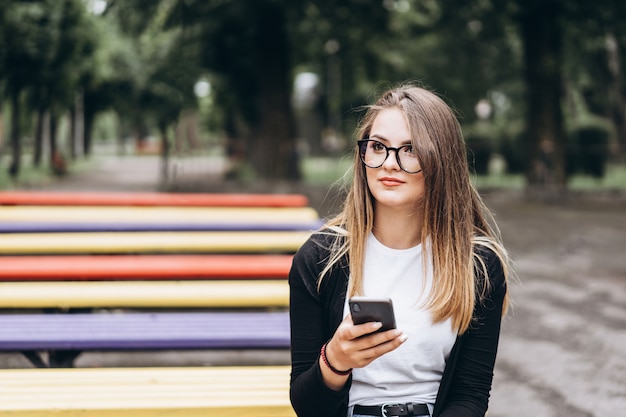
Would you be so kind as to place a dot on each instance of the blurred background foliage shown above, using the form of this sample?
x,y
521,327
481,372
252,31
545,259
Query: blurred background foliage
x,y
271,86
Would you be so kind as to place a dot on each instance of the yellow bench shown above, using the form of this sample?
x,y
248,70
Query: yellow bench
x,y
152,242
103,294
97,214
261,391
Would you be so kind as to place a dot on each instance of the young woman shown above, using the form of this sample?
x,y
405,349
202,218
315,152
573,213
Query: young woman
x,y
414,229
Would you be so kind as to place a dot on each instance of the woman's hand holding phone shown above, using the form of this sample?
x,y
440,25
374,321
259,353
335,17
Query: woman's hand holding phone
x,y
357,345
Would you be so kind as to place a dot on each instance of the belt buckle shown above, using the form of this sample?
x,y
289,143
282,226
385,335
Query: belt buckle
x,y
382,409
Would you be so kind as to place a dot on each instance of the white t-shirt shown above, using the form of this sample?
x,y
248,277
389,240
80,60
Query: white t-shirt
x,y
412,372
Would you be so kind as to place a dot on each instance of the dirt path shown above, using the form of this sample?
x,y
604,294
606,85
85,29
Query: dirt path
x,y
563,347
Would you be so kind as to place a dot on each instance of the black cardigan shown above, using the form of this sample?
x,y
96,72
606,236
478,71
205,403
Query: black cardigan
x,y
315,315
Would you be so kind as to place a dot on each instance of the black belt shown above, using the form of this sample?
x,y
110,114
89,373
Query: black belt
x,y
389,410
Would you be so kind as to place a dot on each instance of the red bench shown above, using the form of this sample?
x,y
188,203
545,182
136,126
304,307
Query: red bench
x,y
143,267
53,198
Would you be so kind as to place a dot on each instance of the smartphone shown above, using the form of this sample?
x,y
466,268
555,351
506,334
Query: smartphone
x,y
366,309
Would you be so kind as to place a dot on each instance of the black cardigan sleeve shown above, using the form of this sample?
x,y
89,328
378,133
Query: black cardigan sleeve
x,y
311,327
466,384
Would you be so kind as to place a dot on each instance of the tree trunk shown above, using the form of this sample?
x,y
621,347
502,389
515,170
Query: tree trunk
x,y
616,96
274,153
77,123
90,118
1,127
71,136
541,33
16,148
57,160
165,156
38,145
53,134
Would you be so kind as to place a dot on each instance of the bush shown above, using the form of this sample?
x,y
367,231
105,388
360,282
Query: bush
x,y
588,151
514,149
479,151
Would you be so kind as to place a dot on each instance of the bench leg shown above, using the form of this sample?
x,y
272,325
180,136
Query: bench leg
x,y
34,358
62,358
56,358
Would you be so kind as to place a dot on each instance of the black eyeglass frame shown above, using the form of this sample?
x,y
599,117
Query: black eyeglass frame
x,y
364,141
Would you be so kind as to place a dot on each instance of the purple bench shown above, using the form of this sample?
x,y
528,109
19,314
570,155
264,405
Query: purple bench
x,y
65,336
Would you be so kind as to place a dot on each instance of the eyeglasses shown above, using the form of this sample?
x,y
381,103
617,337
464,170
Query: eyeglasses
x,y
374,154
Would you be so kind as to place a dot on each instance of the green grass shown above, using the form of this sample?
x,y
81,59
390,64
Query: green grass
x,y
326,170
31,177
614,179
329,170
501,181
320,171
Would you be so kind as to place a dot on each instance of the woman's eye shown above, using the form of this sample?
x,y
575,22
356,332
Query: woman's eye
x,y
378,146
408,150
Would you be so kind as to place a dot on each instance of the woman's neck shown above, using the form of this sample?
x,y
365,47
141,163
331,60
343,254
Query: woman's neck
x,y
398,229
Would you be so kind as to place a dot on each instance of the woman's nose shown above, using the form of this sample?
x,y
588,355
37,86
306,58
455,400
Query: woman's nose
x,y
391,162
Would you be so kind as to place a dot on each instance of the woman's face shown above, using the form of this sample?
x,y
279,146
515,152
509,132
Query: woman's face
x,y
391,186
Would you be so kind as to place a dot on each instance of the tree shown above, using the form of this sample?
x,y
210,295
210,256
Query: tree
x,y
245,45
595,57
544,29
162,68
21,59
69,44
541,26
43,45
253,48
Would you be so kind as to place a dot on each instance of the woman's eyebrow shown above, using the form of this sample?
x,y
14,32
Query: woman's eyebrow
x,y
378,137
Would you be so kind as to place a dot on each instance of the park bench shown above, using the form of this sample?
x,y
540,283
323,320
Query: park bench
x,y
259,391
143,267
61,227
144,294
64,336
59,258
172,215
151,242
59,198
128,230
249,314
115,273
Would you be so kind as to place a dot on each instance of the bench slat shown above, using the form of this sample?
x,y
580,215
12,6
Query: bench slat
x,y
150,199
115,214
48,227
261,391
95,294
152,242
129,267
129,331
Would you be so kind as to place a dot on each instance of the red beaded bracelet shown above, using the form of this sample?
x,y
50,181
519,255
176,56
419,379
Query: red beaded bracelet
x,y
332,368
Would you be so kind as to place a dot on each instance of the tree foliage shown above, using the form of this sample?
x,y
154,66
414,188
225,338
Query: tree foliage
x,y
547,65
43,46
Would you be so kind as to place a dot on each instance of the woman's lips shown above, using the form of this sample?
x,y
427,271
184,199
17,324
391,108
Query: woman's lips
x,y
391,182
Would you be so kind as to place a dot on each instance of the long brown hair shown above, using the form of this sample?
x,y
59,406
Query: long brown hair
x,y
455,218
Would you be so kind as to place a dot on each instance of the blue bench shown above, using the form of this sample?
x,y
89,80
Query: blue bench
x,y
64,336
